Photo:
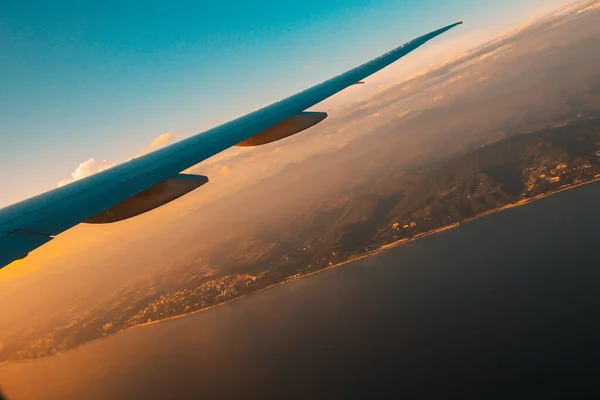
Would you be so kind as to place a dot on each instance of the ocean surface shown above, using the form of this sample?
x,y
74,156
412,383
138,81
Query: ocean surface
x,y
505,306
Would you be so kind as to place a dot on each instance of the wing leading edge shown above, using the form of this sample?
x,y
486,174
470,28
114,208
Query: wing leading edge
x,y
32,223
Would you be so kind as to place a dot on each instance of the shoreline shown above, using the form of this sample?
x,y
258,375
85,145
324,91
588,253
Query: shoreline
x,y
363,256
383,248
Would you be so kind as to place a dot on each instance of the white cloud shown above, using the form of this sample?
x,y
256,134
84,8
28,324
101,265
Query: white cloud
x,y
87,168
163,140
91,166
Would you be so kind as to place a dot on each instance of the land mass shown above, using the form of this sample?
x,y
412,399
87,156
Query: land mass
x,y
375,216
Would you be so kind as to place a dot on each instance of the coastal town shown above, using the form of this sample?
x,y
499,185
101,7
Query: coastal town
x,y
509,173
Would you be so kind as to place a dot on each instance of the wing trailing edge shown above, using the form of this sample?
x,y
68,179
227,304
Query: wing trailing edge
x,y
289,127
157,196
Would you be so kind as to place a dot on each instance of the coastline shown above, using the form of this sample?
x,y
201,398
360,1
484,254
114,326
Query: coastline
x,y
306,275
383,248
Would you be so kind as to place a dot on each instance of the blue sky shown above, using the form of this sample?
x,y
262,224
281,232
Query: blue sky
x,y
103,79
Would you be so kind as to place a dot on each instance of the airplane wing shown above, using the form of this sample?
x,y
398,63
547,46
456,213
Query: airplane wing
x,y
147,182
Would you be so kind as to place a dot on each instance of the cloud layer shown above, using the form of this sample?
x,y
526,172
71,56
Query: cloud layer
x,y
163,140
91,166
87,168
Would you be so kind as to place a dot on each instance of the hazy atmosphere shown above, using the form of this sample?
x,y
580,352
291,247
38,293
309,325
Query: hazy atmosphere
x,y
382,167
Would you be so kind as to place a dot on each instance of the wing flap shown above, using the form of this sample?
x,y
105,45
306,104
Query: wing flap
x,y
289,127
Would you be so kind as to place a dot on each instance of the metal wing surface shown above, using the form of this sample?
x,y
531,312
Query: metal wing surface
x,y
30,224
